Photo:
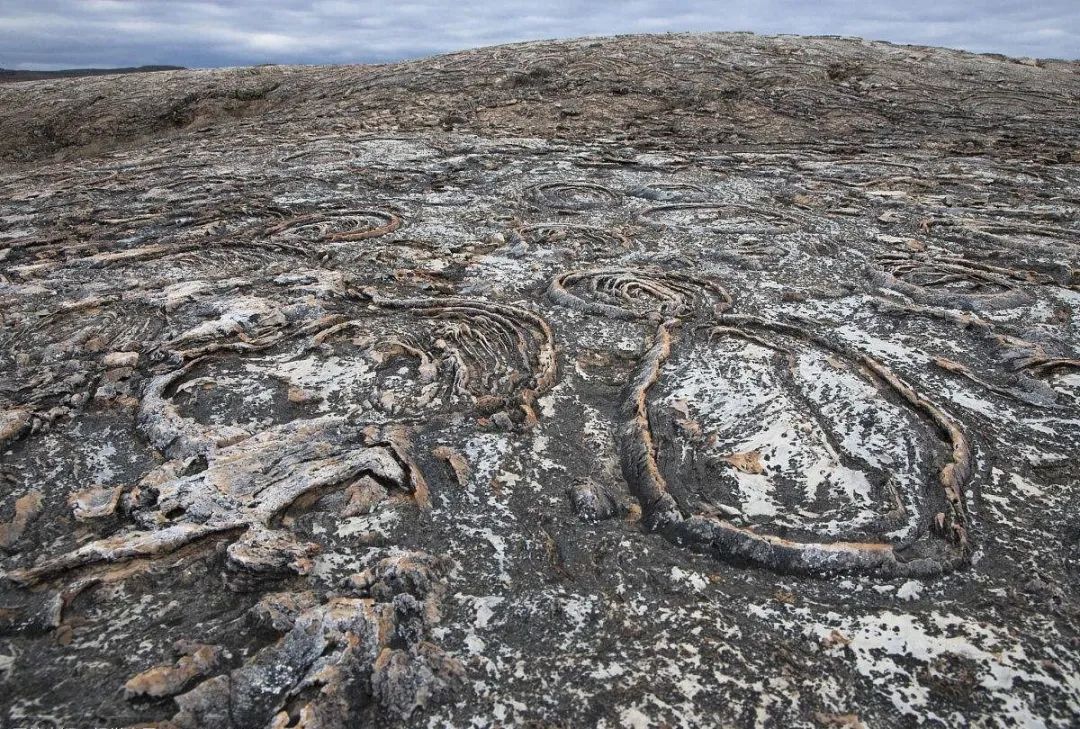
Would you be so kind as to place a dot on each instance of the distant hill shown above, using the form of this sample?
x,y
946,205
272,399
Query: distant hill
x,y
8,75
733,88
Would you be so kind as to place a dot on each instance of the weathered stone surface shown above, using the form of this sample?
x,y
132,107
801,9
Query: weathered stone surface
x,y
683,380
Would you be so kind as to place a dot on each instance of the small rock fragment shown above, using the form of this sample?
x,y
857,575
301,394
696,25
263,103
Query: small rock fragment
x,y
27,508
169,680
503,420
591,501
269,554
456,461
206,706
299,395
95,503
413,573
404,681
13,423
839,721
747,461
279,610
120,359
363,497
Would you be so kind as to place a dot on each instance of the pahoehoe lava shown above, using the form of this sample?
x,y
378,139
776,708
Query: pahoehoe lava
x,y
681,380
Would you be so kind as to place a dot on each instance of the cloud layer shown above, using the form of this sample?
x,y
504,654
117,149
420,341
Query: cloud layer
x,y
51,34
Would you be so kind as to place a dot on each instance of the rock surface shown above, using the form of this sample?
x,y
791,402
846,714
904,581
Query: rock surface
x,y
682,380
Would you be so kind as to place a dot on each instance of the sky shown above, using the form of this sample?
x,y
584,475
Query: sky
x,y
54,34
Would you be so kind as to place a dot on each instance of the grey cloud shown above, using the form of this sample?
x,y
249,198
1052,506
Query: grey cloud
x,y
59,34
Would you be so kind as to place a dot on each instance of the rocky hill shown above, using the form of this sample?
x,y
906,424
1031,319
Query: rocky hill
x,y
682,380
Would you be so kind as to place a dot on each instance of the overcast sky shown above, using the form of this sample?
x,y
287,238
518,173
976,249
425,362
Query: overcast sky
x,y
50,34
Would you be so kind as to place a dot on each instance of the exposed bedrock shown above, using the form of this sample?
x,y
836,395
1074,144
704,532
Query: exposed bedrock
x,y
682,380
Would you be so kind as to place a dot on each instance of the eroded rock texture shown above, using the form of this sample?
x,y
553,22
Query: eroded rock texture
x,y
651,381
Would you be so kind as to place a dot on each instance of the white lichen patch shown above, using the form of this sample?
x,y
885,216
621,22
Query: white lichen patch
x,y
909,657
